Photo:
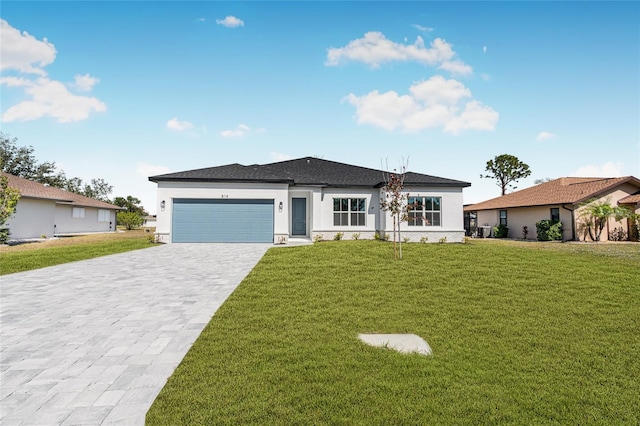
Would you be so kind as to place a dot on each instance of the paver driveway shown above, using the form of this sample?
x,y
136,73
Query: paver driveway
x,y
93,342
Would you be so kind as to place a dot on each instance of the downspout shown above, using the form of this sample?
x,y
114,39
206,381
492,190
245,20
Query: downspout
x,y
573,223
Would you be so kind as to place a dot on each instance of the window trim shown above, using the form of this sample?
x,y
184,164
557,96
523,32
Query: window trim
x,y
104,212
500,218
350,212
420,217
77,213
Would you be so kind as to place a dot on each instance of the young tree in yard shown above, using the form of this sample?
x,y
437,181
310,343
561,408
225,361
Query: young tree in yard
x,y
594,215
8,201
506,169
129,220
395,202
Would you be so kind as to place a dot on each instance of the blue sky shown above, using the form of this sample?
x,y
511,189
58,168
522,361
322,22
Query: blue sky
x,y
124,90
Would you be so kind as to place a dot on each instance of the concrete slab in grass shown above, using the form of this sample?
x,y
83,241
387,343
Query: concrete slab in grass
x,y
405,343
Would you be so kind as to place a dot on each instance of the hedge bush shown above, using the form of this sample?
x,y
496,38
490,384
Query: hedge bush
x,y
500,231
549,230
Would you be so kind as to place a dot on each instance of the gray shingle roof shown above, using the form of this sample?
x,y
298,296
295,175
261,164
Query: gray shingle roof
x,y
229,173
303,171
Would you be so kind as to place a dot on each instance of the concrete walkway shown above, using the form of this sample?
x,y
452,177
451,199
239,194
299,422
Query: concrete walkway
x,y
94,342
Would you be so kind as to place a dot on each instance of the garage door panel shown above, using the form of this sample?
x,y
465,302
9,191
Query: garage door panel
x,y
206,220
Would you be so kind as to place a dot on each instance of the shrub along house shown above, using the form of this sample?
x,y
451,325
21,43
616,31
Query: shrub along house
x,y
299,199
44,210
558,200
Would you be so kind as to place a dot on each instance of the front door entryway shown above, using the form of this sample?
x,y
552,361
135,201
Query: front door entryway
x,y
299,216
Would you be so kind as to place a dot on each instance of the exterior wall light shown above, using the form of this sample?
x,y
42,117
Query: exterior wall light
x,y
162,204
280,206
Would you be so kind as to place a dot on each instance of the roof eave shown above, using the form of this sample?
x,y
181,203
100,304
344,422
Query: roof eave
x,y
472,207
189,179
431,184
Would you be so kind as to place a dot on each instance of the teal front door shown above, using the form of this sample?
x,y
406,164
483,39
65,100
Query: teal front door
x,y
299,216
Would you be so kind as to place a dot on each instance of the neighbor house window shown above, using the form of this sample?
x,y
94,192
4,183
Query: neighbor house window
x,y
78,213
503,217
349,211
103,216
555,214
424,211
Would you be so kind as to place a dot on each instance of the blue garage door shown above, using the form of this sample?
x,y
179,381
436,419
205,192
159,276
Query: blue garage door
x,y
222,221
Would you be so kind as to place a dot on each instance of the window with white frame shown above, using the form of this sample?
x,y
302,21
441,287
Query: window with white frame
x,y
503,217
103,215
78,213
424,211
349,211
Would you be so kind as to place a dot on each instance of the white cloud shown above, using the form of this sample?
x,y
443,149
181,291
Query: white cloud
x,y
49,98
608,169
240,131
386,110
476,116
146,169
374,49
456,67
545,135
277,156
434,103
230,22
438,90
84,83
177,125
423,29
484,49
22,52
201,19
15,81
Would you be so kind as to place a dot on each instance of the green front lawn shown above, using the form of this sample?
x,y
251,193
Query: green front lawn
x,y
70,249
521,333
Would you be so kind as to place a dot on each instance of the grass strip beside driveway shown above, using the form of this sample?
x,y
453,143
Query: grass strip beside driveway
x,y
30,256
520,333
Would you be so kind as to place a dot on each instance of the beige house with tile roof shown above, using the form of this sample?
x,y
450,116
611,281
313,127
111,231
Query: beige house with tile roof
x,y
560,199
44,210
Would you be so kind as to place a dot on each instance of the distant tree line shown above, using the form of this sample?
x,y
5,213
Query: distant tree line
x,y
20,161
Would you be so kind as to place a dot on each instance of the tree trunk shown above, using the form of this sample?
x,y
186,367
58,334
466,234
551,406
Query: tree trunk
x,y
399,237
395,252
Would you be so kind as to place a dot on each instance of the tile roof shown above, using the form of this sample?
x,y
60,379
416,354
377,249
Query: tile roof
x,y
566,190
633,198
31,189
303,171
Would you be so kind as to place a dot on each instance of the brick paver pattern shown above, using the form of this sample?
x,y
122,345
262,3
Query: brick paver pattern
x,y
94,342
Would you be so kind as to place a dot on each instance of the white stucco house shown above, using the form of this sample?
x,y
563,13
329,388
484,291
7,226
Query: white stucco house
x,y
299,200
44,210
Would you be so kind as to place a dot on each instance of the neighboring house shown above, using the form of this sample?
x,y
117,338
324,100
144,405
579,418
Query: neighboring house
x,y
298,199
149,221
560,199
44,210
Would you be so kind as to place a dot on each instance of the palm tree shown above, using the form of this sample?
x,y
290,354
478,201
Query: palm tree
x,y
595,214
